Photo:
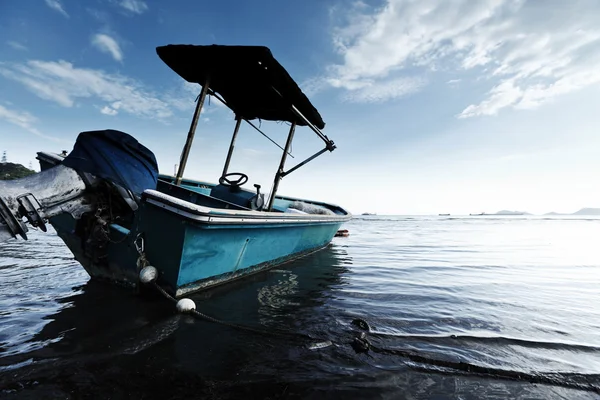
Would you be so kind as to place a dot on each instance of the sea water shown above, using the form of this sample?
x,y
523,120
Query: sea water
x,y
457,307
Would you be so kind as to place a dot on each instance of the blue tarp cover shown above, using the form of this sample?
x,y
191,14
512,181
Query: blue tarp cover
x,y
115,156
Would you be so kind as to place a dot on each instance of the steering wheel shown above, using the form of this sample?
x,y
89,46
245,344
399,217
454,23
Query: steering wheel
x,y
225,181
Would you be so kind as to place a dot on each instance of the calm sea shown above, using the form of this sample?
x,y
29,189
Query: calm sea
x,y
458,308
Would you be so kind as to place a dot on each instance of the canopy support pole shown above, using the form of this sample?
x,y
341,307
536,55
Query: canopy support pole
x,y
280,171
309,159
190,138
238,122
328,142
216,96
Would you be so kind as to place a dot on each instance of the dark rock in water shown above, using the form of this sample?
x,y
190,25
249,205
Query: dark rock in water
x,y
361,344
362,324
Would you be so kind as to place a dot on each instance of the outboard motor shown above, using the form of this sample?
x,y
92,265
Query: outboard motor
x,y
106,173
41,196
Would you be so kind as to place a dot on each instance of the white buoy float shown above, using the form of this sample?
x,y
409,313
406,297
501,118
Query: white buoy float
x,y
185,306
148,274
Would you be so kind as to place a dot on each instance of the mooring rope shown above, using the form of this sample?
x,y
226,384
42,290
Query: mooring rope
x,y
361,344
196,313
557,380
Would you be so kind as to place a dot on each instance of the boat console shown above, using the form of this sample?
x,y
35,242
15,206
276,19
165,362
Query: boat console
x,y
230,190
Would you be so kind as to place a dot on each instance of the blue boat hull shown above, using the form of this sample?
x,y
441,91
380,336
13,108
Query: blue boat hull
x,y
194,247
192,256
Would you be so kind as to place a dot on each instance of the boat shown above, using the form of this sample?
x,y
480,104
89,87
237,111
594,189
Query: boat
x,y
118,215
444,215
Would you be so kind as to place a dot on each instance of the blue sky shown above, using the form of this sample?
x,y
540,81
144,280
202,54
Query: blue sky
x,y
436,106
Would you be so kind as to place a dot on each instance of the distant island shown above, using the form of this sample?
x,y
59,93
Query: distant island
x,y
505,212
508,212
9,171
583,211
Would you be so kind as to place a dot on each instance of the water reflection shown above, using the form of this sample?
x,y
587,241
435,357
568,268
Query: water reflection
x,y
99,320
291,298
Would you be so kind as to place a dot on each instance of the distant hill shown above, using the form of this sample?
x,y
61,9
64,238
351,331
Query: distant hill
x,y
10,171
508,212
587,211
583,211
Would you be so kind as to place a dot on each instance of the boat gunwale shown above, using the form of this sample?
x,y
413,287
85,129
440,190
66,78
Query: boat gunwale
x,y
196,183
211,215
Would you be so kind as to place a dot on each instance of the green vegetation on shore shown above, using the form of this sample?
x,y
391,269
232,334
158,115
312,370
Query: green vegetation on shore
x,y
10,171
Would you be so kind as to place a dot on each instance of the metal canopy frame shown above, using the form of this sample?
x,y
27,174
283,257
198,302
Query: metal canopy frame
x,y
190,137
281,173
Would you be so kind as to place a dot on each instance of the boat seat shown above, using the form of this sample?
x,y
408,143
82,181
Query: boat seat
x,y
236,195
195,197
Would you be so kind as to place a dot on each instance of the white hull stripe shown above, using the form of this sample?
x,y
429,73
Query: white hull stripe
x,y
222,216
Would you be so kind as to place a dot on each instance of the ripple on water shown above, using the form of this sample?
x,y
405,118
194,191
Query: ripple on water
x,y
515,294
36,275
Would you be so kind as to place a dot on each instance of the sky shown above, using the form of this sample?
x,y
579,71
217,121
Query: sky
x,y
449,106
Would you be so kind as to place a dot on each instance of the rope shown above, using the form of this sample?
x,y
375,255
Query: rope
x,y
361,344
486,371
164,293
205,317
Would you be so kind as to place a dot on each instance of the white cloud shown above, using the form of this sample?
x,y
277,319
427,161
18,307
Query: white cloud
x,y
55,5
503,95
100,16
16,45
107,44
529,51
313,85
252,152
135,6
109,111
66,84
192,88
24,120
19,118
376,92
182,95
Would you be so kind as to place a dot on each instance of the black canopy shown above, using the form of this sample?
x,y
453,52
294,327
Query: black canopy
x,y
245,77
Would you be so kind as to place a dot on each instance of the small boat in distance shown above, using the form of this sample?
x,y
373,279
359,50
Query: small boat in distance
x,y
368,213
116,214
443,215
